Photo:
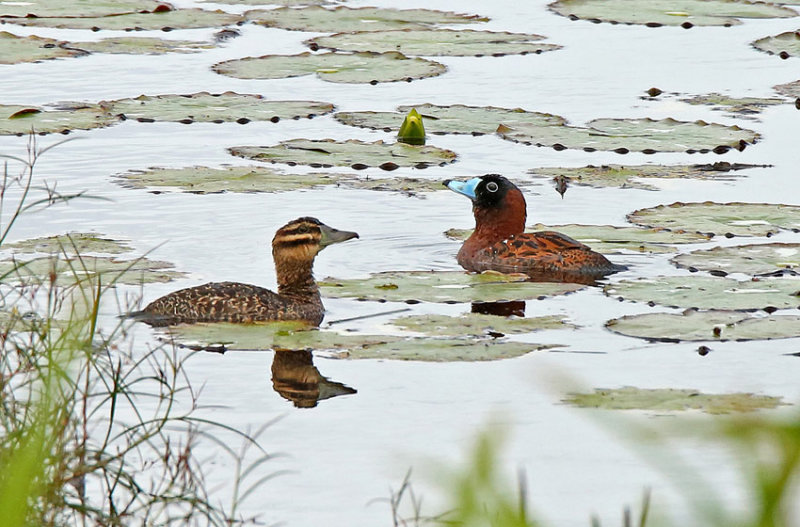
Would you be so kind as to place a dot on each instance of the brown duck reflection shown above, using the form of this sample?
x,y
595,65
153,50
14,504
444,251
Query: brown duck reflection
x,y
514,308
296,379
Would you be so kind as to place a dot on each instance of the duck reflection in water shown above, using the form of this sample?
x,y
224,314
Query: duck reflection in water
x,y
296,379
500,243
512,308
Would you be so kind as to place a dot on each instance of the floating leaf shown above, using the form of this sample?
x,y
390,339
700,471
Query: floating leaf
x,y
447,350
686,13
340,19
435,42
412,131
142,46
71,243
736,105
784,45
136,21
455,119
608,239
275,2
68,8
206,180
19,120
694,325
15,49
671,400
705,292
353,68
730,219
756,259
639,135
634,176
217,108
478,324
790,89
73,270
442,286
352,153
406,185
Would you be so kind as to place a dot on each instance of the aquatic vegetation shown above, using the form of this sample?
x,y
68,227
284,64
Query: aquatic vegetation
x,y
136,20
71,243
784,45
16,49
412,131
754,259
142,46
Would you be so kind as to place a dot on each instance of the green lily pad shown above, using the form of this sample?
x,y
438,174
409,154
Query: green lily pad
x,y
353,153
635,176
694,325
71,243
293,336
447,350
686,13
352,68
405,185
736,105
790,89
455,119
756,259
136,21
74,270
142,46
340,19
608,239
75,8
784,45
217,108
478,324
706,292
730,219
671,400
16,50
639,135
20,120
435,42
442,286
206,180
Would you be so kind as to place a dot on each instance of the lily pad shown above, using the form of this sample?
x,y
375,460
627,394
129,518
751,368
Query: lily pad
x,y
74,270
608,239
756,259
216,108
136,21
447,350
353,153
16,50
730,219
405,185
340,19
352,68
706,292
75,8
790,89
692,325
206,180
639,135
784,45
736,105
20,120
71,243
478,324
686,13
443,287
671,400
275,2
455,119
142,46
435,42
635,176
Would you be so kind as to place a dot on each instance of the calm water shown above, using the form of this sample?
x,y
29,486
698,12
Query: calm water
x,y
349,450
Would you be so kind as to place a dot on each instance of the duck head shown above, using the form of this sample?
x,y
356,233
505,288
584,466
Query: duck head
x,y
497,204
303,238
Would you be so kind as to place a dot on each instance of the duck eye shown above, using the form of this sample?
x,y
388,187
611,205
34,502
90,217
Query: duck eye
x,y
492,186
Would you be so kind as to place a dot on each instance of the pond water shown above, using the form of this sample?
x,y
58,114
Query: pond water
x,y
349,450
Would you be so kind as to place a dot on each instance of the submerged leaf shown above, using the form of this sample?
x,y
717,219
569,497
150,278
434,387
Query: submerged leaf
x,y
671,400
743,105
352,153
755,259
694,325
729,219
354,68
443,286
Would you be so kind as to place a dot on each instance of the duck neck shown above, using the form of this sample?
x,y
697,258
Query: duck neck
x,y
495,224
296,280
